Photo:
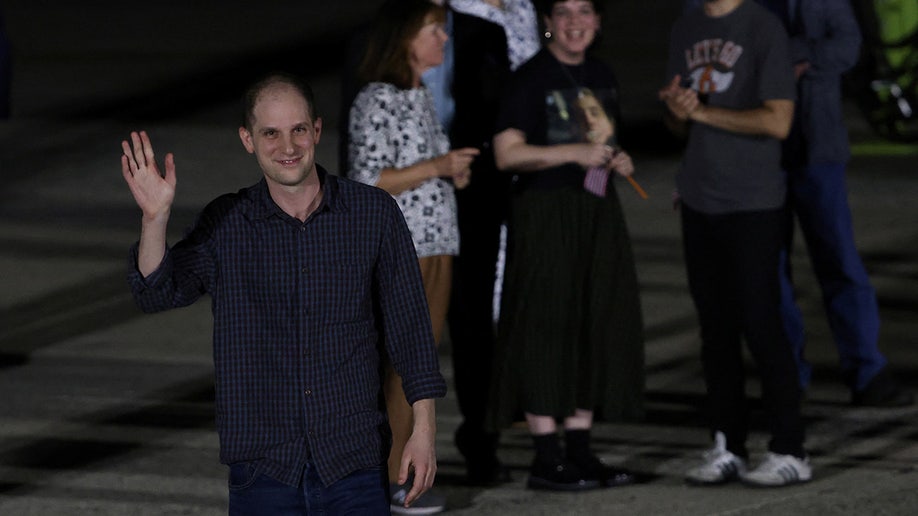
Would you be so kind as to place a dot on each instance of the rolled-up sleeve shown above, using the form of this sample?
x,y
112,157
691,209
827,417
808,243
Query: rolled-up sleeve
x,y
406,328
183,276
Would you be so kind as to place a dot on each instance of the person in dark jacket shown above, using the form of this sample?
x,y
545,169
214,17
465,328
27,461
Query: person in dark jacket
x,y
488,38
825,43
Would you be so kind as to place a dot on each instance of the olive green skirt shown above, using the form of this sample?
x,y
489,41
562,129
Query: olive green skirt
x,y
571,331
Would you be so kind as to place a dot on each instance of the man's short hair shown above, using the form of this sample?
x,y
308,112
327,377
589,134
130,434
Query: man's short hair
x,y
274,79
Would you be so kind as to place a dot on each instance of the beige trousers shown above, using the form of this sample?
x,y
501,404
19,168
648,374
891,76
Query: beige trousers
x,y
436,273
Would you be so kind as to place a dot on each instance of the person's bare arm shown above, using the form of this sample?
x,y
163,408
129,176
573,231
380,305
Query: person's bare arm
x,y
420,450
153,192
512,152
773,118
454,165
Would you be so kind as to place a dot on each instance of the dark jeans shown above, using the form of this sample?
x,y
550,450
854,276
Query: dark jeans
x,y
731,260
251,493
819,197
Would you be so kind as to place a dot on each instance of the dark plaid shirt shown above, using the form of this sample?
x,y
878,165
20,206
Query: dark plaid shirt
x,y
301,314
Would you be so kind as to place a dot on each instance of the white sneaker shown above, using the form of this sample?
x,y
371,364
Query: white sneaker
x,y
779,470
719,465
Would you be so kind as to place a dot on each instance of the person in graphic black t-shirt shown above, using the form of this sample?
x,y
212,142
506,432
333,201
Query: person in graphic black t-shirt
x,y
570,332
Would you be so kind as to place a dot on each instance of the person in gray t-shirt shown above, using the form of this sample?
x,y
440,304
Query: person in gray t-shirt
x,y
731,90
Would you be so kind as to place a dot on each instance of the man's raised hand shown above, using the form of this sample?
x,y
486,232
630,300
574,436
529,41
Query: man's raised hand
x,y
152,190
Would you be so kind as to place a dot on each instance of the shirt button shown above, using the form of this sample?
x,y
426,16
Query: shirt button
x,y
308,392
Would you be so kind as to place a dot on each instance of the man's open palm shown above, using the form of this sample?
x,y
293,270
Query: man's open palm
x,y
153,191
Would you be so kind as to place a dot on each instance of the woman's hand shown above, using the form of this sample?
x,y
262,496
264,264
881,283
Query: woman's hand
x,y
621,163
462,178
589,155
455,165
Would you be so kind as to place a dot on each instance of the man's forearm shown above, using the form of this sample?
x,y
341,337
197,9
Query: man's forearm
x,y
152,245
772,119
425,416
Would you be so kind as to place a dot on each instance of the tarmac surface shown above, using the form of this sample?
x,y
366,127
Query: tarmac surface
x,y
106,411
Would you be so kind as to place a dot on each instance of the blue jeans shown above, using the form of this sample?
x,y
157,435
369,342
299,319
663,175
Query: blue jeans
x,y
252,493
818,195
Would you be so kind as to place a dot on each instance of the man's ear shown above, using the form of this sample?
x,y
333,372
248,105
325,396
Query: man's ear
x,y
317,125
246,138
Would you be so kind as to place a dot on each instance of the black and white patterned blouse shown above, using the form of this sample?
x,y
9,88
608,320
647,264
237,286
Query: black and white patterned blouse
x,y
394,128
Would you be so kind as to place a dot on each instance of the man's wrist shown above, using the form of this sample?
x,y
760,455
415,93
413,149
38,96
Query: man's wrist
x,y
156,219
696,114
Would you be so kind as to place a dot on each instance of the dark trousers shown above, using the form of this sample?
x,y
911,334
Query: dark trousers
x,y
482,208
732,263
818,195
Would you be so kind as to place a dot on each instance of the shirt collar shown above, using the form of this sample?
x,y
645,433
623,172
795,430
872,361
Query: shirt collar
x,y
265,206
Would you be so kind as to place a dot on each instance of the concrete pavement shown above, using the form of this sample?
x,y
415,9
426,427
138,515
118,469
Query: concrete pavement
x,y
109,412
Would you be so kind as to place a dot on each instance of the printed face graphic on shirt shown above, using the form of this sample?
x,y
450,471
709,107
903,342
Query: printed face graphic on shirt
x,y
710,64
595,123
578,115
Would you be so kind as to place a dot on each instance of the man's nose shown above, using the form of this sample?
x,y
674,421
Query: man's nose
x,y
288,144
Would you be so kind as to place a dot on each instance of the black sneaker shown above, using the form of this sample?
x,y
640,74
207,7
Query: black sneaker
x,y
608,476
559,476
883,391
